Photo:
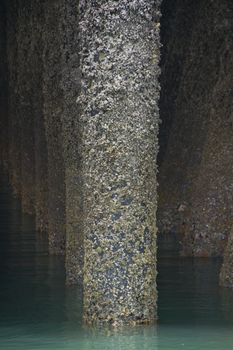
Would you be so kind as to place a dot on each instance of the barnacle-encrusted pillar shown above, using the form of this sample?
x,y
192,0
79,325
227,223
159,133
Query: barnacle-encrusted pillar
x,y
25,54
71,141
53,106
41,153
119,118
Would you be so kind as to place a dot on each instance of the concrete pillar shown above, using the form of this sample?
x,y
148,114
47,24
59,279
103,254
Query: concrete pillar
x,y
119,123
41,153
14,125
71,141
25,106
53,109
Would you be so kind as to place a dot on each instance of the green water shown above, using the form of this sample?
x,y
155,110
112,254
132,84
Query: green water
x,y
38,312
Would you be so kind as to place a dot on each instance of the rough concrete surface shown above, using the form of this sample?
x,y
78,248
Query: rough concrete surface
x,y
119,123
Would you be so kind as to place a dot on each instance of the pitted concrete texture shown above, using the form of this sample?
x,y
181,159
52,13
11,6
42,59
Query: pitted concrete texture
x,y
119,123
196,168
53,109
26,113
71,140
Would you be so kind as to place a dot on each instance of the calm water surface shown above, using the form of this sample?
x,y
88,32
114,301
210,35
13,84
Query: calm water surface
x,y
38,312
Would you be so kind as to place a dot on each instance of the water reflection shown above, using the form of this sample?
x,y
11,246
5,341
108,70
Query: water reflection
x,y
38,311
195,293
227,304
129,338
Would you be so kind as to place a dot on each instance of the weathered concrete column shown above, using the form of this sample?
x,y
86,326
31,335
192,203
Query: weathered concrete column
x,y
41,153
119,119
71,141
26,113
53,106
14,123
